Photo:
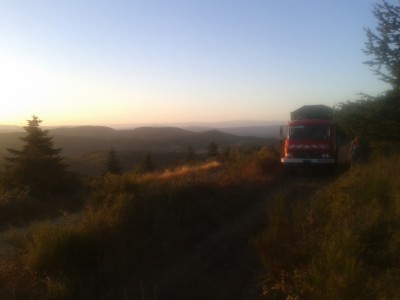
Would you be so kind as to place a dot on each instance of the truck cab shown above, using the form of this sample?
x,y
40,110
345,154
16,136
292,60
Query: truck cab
x,y
310,137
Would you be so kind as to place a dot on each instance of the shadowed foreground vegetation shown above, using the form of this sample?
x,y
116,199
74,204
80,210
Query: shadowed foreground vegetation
x,y
138,233
230,229
342,242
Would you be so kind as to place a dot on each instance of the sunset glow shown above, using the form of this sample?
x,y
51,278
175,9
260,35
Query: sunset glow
x,y
103,62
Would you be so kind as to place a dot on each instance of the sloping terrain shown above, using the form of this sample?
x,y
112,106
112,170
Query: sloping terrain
x,y
225,263
83,139
85,147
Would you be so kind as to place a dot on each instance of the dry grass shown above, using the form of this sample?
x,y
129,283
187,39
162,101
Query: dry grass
x,y
209,167
135,227
339,243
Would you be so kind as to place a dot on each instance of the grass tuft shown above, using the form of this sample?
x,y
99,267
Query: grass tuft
x,y
348,233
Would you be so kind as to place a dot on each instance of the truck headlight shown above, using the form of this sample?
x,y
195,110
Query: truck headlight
x,y
325,155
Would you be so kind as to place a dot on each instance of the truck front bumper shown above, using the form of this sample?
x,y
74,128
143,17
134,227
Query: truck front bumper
x,y
314,161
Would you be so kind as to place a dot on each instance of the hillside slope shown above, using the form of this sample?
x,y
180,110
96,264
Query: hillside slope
x,y
83,139
85,147
190,234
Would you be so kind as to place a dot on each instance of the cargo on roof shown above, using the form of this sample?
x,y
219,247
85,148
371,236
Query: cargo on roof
x,y
312,112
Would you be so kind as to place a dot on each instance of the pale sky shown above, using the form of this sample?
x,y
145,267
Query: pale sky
x,y
97,62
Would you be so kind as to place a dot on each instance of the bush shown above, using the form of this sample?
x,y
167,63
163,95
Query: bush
x,y
259,165
341,243
68,257
361,234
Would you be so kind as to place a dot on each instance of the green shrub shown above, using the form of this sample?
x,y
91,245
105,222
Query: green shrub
x,y
67,257
61,251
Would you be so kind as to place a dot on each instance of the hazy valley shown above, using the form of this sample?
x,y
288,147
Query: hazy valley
x,y
85,147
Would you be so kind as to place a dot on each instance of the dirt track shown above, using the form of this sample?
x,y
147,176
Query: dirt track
x,y
225,265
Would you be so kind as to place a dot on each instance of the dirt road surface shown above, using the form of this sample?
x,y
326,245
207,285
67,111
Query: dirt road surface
x,y
226,264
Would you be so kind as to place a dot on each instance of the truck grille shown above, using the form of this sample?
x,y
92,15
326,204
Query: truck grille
x,y
307,154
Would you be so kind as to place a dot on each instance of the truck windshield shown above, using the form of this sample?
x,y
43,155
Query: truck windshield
x,y
314,132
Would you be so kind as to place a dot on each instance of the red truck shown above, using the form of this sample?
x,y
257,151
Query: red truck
x,y
310,137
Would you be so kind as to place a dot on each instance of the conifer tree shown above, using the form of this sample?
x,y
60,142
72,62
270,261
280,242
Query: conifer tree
x,y
383,45
148,164
212,149
190,155
38,166
112,164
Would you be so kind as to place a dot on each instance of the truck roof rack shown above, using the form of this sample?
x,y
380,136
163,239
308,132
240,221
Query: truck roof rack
x,y
312,112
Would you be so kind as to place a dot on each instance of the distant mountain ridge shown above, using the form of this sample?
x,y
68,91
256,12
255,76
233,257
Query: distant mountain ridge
x,y
265,129
11,128
81,139
85,147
